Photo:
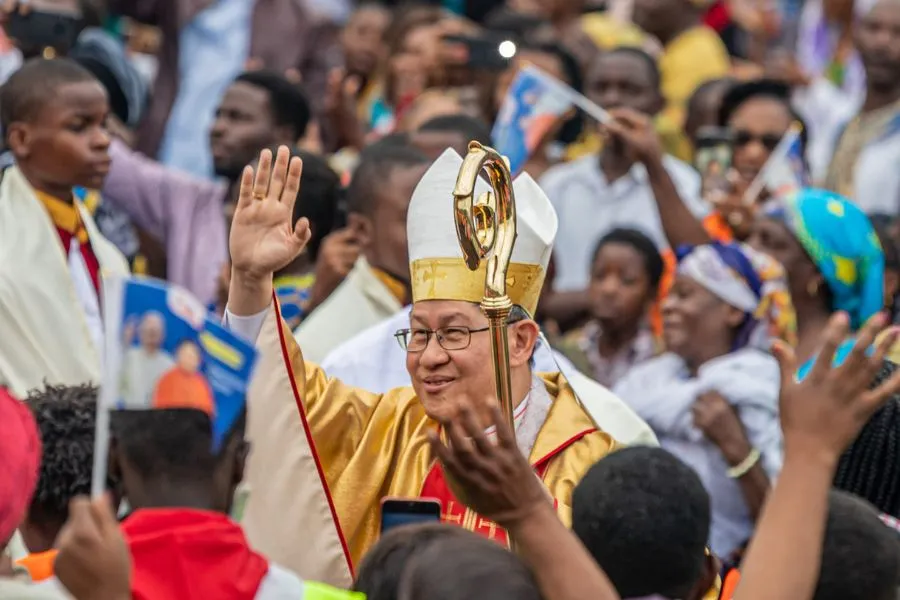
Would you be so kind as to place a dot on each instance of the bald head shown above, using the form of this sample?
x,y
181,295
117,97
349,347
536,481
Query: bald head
x,y
152,331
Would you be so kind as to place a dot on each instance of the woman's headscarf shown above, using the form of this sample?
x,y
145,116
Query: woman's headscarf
x,y
842,243
747,280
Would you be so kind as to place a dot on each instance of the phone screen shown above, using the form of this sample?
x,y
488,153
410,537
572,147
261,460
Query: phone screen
x,y
487,53
396,513
712,158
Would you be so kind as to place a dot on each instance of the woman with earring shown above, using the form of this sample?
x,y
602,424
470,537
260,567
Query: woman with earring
x,y
712,397
832,257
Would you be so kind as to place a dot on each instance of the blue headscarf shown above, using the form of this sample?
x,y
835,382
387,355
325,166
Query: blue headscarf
x,y
841,241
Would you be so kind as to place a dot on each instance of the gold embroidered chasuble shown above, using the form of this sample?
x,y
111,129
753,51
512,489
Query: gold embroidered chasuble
x,y
371,446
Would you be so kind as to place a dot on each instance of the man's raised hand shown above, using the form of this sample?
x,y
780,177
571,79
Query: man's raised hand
x,y
263,237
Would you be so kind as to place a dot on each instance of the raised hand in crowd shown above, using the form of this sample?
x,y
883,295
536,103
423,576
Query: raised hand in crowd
x,y
638,133
93,561
262,238
497,482
340,109
820,416
738,211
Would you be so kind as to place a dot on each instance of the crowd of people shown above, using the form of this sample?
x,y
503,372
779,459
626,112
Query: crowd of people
x,y
702,367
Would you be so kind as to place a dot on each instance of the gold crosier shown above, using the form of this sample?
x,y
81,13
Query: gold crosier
x,y
486,229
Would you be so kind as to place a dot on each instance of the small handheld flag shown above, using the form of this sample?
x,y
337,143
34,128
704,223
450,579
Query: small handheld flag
x,y
533,104
784,171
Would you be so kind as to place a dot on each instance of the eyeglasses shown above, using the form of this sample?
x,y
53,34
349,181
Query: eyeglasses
x,y
741,138
449,338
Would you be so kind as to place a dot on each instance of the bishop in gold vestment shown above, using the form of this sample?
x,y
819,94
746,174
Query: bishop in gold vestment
x,y
367,447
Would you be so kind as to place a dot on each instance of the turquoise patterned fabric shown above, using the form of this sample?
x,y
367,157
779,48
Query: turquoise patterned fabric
x,y
839,238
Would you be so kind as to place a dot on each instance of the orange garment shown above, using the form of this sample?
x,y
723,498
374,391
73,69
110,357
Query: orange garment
x,y
717,229
181,389
732,579
39,564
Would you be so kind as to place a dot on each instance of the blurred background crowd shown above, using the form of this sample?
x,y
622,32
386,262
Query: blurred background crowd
x,y
670,275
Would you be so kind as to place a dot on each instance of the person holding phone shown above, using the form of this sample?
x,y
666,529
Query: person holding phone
x,y
369,446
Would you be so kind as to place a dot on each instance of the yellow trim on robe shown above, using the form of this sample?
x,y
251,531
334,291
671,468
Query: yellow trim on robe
x,y
371,446
396,287
64,215
451,279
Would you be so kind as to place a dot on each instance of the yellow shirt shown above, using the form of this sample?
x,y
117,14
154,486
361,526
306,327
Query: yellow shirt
x,y
694,57
608,33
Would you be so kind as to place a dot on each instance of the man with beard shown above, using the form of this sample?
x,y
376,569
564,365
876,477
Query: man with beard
x,y
187,214
864,164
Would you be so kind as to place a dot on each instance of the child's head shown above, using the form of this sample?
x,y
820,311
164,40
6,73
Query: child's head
x,y
381,570
65,418
188,356
645,517
860,554
53,114
491,572
625,275
165,457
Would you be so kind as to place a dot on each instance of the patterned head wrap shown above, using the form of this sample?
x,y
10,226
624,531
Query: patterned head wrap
x,y
842,243
749,281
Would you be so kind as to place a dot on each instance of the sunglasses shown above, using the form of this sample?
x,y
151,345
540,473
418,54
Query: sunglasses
x,y
769,141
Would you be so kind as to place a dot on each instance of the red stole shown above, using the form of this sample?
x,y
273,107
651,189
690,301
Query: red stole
x,y
67,220
455,512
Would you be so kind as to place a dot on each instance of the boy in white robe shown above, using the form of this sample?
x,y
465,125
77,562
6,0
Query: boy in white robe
x,y
52,257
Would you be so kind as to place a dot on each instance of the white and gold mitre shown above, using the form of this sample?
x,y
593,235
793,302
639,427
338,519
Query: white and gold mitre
x,y
437,268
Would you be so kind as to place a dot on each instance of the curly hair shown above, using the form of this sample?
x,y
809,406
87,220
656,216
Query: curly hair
x,y
870,467
65,418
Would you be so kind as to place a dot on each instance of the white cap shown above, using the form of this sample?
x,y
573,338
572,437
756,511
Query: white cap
x,y
437,268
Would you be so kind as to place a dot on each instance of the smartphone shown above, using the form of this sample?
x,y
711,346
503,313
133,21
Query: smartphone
x,y
486,53
712,157
396,512
36,30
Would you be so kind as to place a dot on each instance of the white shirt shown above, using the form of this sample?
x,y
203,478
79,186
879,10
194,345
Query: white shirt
x,y
589,207
142,371
212,50
876,176
826,110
